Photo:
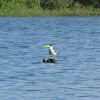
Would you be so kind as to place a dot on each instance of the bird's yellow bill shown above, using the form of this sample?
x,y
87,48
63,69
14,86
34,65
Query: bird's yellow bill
x,y
47,46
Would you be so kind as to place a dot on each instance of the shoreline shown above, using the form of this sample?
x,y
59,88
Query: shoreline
x,y
41,12
28,8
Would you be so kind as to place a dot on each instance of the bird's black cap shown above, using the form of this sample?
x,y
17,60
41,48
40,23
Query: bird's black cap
x,y
50,45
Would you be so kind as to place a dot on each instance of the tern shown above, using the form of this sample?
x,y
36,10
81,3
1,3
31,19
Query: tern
x,y
52,52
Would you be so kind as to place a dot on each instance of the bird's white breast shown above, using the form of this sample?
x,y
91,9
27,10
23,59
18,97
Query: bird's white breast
x,y
51,51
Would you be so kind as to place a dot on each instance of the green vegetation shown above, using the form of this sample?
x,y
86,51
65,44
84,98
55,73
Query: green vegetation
x,y
49,7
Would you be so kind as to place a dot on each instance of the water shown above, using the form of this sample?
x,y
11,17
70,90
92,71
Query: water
x,y
75,76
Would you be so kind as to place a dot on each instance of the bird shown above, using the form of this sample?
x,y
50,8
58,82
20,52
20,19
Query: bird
x,y
52,52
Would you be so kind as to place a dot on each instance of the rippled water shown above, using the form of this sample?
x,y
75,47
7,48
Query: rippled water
x,y
75,76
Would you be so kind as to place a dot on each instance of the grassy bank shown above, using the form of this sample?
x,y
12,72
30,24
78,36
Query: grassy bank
x,y
40,12
20,9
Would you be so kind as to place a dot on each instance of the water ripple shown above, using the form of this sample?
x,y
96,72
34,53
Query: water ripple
x,y
75,76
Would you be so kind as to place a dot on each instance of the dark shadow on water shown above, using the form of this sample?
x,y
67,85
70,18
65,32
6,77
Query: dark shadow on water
x,y
37,62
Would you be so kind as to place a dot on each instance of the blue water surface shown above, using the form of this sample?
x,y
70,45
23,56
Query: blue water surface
x,y
75,76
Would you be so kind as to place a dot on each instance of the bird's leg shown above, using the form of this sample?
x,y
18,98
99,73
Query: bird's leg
x,y
51,57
